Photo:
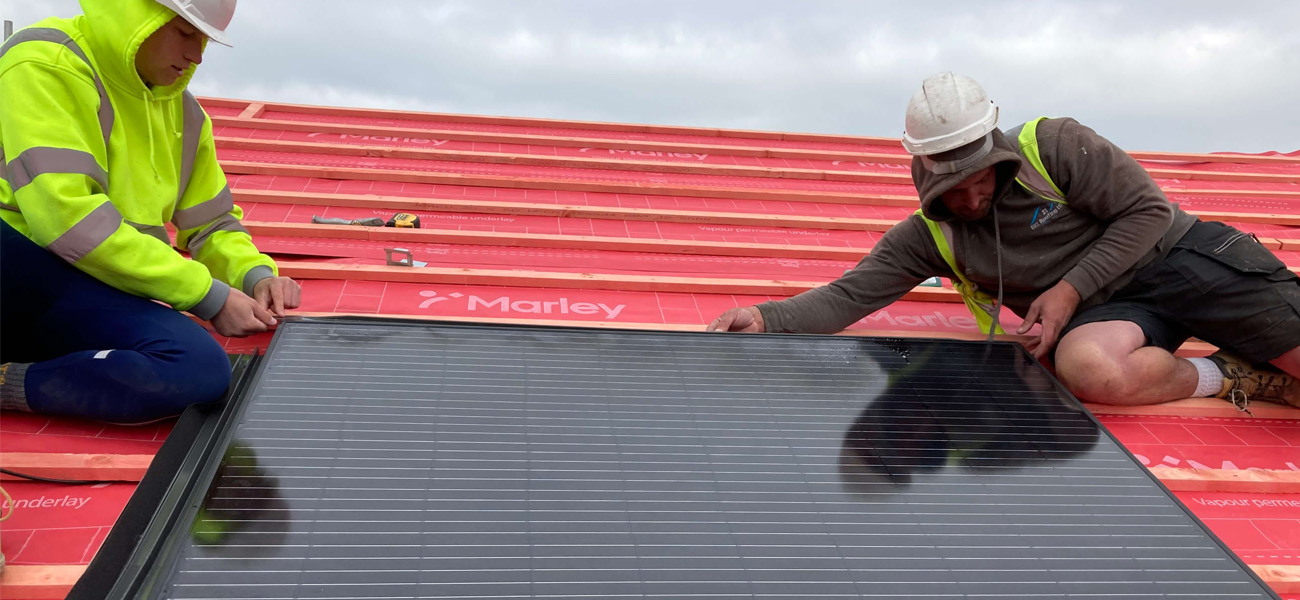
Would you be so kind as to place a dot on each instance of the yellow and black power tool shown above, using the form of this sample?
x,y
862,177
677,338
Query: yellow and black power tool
x,y
405,220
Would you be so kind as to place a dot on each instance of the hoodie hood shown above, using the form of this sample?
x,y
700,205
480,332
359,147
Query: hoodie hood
x,y
930,186
117,28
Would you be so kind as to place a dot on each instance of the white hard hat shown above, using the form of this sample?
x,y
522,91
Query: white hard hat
x,y
209,16
948,112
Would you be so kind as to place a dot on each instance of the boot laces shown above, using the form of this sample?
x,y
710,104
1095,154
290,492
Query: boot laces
x,y
1239,399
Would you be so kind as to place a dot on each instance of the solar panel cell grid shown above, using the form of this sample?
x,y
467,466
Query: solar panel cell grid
x,y
427,461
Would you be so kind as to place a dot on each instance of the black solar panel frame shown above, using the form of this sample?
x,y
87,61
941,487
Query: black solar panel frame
x,y
142,530
160,545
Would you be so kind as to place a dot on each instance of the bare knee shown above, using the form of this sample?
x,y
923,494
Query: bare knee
x,y
1091,375
1092,360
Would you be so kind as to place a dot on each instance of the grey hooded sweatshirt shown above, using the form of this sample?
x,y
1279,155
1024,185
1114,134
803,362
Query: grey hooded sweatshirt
x,y
1116,221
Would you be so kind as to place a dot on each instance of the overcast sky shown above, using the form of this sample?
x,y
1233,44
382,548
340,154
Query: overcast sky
x,y
1191,76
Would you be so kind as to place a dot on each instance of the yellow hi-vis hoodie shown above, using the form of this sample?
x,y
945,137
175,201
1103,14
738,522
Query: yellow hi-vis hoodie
x,y
96,162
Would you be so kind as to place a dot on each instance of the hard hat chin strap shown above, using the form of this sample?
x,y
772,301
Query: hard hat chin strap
x,y
960,158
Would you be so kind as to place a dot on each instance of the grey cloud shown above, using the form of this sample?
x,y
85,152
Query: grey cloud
x,y
1178,76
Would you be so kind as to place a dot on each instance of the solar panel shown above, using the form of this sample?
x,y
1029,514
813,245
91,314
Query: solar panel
x,y
378,460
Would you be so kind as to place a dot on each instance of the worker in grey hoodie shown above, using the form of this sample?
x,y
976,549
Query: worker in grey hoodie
x,y
1065,229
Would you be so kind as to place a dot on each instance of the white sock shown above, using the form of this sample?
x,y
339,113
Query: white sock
x,y
1209,378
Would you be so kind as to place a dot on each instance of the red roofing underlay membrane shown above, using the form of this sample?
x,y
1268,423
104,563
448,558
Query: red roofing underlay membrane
x,y
540,221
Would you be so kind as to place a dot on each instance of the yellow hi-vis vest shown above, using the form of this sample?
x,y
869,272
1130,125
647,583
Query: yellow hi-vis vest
x,y
1033,177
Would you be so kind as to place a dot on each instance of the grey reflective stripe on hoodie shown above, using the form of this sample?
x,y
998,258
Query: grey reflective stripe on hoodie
x,y
223,223
2,162
191,130
156,231
49,34
206,211
40,160
214,212
87,234
94,228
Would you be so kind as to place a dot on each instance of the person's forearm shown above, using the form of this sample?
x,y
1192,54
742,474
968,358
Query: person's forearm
x,y
825,309
903,258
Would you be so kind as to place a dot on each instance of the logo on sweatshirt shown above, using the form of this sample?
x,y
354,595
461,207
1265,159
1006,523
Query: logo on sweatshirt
x,y
1044,213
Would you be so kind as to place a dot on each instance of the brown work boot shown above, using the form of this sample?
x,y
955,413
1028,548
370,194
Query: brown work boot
x,y
1244,383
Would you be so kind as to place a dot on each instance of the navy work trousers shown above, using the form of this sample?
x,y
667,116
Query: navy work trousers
x,y
99,352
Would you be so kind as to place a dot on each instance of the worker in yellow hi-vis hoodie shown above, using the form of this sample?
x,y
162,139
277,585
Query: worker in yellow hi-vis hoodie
x,y
102,146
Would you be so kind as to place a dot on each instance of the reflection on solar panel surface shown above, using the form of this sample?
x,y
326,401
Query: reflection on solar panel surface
x,y
382,460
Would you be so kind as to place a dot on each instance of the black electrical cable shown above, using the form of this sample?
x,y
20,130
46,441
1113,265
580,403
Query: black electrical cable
x,y
63,481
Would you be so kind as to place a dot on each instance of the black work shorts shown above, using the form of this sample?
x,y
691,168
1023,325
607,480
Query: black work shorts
x,y
1217,284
